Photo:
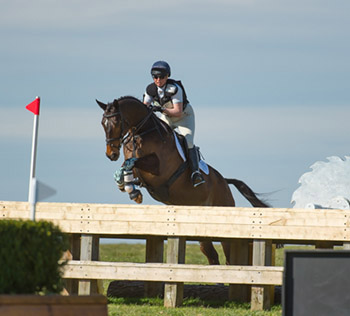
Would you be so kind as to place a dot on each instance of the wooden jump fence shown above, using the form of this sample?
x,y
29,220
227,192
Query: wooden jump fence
x,y
251,274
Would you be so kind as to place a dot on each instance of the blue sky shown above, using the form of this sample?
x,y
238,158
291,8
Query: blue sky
x,y
269,81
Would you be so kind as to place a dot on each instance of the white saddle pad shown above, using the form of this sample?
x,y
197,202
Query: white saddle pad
x,y
202,165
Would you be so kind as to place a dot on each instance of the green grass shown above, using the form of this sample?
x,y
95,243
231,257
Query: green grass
x,y
192,306
137,253
195,307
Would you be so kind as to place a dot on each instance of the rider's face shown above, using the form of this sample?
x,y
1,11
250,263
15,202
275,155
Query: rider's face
x,y
160,81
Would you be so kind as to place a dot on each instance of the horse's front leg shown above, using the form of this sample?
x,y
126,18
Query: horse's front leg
x,y
209,251
126,180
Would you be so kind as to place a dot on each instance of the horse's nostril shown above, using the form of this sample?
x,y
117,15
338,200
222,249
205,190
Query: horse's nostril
x,y
113,156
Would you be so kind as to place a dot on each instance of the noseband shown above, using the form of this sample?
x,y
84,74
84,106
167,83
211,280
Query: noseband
x,y
124,139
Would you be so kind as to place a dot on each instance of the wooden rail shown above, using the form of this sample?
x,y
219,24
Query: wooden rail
x,y
240,226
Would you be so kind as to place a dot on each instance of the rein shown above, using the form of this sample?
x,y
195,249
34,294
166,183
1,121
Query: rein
x,y
128,136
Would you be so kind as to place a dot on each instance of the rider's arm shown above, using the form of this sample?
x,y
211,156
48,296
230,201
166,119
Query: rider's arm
x,y
176,111
177,101
147,99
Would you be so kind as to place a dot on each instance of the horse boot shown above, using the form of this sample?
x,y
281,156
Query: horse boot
x,y
196,175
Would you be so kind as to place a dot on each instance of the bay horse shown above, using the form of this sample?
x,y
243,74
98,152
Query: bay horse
x,y
159,168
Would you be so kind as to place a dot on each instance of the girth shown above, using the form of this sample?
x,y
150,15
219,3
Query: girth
x,y
161,193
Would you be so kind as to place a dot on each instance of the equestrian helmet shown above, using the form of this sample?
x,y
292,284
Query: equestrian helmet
x,y
161,68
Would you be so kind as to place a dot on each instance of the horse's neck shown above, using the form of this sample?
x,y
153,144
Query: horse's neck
x,y
133,111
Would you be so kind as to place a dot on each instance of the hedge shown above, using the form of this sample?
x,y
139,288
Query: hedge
x,y
29,256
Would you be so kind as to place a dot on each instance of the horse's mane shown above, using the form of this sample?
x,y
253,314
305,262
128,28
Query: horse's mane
x,y
130,97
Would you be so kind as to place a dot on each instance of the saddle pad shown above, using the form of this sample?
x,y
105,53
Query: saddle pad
x,y
202,165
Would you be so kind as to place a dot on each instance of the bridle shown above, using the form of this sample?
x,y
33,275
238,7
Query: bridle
x,y
131,135
109,141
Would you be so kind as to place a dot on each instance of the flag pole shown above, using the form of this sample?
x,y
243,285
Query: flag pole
x,y
32,196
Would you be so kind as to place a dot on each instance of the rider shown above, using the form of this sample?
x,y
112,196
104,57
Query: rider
x,y
169,97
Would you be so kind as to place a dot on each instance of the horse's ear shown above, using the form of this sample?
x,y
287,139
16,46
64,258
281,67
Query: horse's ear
x,y
102,105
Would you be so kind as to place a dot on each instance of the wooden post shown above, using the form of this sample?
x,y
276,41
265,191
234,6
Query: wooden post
x,y
154,253
239,255
173,291
262,254
89,251
71,285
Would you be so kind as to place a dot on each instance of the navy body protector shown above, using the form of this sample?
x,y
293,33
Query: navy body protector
x,y
153,92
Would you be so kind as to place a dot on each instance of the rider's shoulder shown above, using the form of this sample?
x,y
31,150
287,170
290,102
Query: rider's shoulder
x,y
151,89
172,86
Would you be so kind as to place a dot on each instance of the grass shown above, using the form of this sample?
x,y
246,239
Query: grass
x,y
195,307
191,306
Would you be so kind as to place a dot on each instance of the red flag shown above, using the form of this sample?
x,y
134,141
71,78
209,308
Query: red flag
x,y
34,106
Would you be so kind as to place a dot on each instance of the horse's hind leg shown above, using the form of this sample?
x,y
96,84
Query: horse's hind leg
x,y
226,246
209,251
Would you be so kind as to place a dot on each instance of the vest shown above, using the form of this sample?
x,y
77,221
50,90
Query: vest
x,y
169,91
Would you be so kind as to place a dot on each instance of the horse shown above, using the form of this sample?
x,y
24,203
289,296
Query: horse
x,y
159,167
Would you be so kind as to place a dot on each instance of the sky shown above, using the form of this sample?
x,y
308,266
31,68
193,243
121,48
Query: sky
x,y
268,80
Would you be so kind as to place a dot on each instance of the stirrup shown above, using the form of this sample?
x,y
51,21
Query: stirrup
x,y
197,179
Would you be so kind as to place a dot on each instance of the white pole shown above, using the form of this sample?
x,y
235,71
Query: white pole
x,y
32,181
32,198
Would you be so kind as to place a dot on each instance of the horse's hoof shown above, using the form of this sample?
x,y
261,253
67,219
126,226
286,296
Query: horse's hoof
x,y
136,196
138,200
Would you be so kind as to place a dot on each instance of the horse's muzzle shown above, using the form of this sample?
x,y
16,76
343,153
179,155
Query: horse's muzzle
x,y
112,152
113,156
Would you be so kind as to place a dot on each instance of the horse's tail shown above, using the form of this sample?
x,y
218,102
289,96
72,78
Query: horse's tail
x,y
247,193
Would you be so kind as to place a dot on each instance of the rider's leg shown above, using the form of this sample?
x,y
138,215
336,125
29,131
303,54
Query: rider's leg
x,y
196,175
186,127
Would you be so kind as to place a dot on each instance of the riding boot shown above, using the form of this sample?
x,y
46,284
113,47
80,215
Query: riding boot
x,y
196,176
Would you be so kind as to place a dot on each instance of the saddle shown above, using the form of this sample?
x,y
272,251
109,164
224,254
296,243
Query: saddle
x,y
182,148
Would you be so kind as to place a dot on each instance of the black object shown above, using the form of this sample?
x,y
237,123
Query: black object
x,y
316,283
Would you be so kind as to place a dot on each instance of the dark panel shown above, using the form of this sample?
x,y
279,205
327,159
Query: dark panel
x,y
316,282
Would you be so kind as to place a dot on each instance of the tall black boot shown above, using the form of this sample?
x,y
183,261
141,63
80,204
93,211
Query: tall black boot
x,y
196,176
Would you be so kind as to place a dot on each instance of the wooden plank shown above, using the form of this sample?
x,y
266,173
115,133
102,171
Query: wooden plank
x,y
52,299
173,272
178,213
179,210
333,219
216,222
205,230
50,305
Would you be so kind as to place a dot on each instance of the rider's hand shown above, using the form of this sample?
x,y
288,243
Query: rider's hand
x,y
157,109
